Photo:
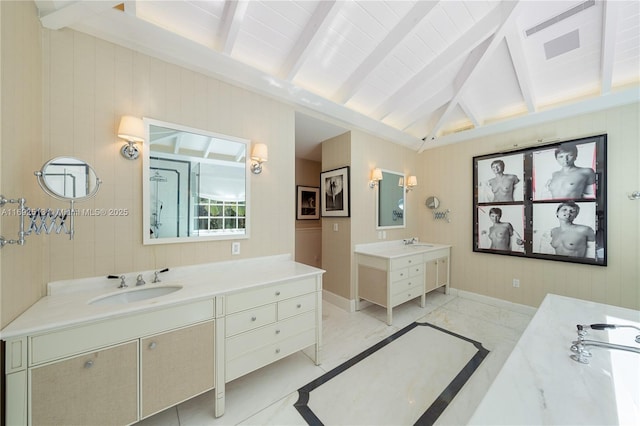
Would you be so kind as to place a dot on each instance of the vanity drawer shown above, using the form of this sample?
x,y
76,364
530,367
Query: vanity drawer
x,y
416,270
404,286
261,296
267,335
399,274
250,319
406,261
84,338
404,296
297,305
253,360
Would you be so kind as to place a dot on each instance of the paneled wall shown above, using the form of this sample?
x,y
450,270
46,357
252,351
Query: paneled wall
x,y
21,267
447,173
308,231
66,98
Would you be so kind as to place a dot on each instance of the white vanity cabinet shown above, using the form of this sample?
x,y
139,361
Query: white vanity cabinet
x,y
389,274
266,324
93,373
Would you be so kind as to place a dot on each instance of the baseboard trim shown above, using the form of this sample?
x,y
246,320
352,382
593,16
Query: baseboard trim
x,y
498,303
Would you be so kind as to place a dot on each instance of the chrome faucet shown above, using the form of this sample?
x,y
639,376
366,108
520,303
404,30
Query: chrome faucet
x,y
579,347
140,280
409,241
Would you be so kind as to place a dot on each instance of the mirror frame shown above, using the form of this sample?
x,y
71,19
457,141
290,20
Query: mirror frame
x,y
146,164
41,177
391,182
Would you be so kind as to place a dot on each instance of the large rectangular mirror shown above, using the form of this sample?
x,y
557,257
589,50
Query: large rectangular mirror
x,y
194,184
391,200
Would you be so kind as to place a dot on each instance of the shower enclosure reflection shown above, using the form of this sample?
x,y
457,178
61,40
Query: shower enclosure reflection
x,y
194,185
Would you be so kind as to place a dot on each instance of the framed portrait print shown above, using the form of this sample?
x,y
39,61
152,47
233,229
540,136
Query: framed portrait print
x,y
545,202
308,202
334,187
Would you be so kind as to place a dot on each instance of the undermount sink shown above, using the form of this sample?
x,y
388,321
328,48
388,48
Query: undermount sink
x,y
134,295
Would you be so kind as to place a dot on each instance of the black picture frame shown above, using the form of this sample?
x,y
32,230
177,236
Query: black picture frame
x,y
545,202
307,202
334,187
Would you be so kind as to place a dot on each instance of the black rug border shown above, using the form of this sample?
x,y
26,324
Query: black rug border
x,y
435,409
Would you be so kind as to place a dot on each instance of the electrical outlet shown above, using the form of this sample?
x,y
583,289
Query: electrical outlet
x,y
516,282
235,248
335,227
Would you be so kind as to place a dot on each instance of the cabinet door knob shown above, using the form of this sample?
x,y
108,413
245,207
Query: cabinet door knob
x,y
277,351
88,364
253,318
299,305
409,283
277,293
153,345
277,331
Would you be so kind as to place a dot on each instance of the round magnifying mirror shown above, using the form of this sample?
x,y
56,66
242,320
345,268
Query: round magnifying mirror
x,y
68,179
432,202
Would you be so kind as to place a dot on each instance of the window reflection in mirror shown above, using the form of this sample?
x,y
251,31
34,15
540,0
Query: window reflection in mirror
x,y
390,211
194,185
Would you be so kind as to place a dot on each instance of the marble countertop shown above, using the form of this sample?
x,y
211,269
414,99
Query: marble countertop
x,y
541,385
393,249
67,301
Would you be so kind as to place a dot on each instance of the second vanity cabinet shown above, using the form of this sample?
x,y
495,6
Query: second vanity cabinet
x,y
391,274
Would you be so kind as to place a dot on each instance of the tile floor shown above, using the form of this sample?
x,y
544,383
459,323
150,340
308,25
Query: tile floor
x,y
266,396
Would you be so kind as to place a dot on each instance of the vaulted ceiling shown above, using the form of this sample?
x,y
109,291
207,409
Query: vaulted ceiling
x,y
419,73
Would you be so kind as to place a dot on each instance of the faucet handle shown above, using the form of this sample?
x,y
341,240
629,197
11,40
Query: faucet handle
x,y
122,279
155,275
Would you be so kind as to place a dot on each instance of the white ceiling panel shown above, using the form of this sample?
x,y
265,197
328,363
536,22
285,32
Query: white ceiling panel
x,y
418,73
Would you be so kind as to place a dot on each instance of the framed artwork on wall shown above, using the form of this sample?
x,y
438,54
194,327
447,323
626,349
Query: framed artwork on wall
x,y
545,202
308,202
334,187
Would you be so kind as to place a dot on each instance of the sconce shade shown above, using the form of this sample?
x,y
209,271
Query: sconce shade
x,y
260,153
131,129
412,181
376,174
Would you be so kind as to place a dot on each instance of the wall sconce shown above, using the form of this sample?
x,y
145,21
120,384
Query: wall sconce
x,y
259,155
376,176
412,182
131,129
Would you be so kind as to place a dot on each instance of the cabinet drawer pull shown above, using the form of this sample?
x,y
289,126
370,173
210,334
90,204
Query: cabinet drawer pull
x,y
299,305
409,261
409,283
277,331
153,345
88,364
277,351
253,318
277,293
402,274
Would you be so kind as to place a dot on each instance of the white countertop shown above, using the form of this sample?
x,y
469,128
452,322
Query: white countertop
x,y
67,302
396,248
541,385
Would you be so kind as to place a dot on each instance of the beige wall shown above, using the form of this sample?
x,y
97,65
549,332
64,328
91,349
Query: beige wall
x,y
87,85
22,268
446,173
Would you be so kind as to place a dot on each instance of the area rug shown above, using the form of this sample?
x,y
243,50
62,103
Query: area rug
x,y
408,378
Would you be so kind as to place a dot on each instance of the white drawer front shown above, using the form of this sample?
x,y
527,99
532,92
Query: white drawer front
x,y
404,296
399,274
60,344
270,294
253,360
250,319
297,305
416,270
267,335
404,286
403,262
